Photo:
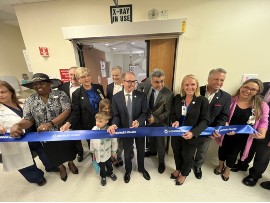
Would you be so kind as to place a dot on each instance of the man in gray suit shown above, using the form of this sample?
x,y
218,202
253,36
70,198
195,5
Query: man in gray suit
x,y
159,99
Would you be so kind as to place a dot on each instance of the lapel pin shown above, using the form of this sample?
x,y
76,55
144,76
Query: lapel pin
x,y
217,97
193,102
82,97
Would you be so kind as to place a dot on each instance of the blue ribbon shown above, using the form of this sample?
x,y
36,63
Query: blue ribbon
x,y
122,132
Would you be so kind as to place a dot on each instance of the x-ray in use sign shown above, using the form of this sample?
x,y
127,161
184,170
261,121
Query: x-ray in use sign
x,y
121,13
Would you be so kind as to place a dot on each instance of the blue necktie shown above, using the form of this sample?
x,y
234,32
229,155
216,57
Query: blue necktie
x,y
129,108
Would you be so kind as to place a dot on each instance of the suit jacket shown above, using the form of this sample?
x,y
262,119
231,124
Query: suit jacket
x,y
82,116
109,94
219,107
197,115
162,106
66,88
139,109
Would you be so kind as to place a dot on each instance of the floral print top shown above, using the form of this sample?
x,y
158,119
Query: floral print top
x,y
37,111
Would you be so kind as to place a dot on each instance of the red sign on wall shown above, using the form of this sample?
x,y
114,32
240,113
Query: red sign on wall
x,y
44,51
64,75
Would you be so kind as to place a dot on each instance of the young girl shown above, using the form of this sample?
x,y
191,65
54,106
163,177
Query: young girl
x,y
105,105
104,148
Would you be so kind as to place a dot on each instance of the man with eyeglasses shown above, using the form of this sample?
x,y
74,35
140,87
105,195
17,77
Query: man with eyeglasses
x,y
219,104
129,108
159,99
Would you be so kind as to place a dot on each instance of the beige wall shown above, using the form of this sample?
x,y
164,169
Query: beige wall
x,y
232,34
12,61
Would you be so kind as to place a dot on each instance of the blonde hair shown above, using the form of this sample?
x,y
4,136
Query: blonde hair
x,y
81,71
103,103
197,92
102,115
257,99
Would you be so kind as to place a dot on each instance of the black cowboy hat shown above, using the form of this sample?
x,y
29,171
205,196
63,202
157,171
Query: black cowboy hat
x,y
37,77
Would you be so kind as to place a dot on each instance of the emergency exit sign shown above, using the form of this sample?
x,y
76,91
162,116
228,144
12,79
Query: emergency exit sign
x,y
121,13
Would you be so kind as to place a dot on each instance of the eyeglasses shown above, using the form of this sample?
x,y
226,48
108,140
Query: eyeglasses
x,y
252,90
131,81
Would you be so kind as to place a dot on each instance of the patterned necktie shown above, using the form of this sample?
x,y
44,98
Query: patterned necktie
x,y
129,108
152,99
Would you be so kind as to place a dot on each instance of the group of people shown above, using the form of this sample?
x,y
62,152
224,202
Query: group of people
x,y
82,105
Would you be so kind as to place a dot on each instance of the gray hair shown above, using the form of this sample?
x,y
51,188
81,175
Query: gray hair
x,y
157,73
217,70
117,68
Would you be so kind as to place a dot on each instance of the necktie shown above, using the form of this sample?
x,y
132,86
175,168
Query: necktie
x,y
152,99
129,108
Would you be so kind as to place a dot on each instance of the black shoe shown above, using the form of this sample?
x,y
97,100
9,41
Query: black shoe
x,y
54,169
224,178
42,182
265,185
145,174
120,161
249,181
127,177
113,177
148,153
115,162
161,167
80,157
73,168
103,181
197,172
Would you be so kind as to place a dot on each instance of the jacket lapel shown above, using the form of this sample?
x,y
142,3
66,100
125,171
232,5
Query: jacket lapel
x,y
85,100
215,98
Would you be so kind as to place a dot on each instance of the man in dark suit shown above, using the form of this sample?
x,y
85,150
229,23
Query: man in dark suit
x,y
129,109
159,98
219,104
69,88
113,88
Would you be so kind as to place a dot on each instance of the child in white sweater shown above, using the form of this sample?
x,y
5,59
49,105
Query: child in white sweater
x,y
104,148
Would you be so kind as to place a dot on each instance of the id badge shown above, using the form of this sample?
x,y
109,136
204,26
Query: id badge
x,y
184,110
251,120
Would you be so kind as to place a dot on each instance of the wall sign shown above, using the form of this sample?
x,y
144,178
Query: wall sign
x,y
44,51
121,13
64,74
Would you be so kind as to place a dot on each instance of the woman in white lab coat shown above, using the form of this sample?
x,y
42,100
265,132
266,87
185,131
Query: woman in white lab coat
x,y
16,155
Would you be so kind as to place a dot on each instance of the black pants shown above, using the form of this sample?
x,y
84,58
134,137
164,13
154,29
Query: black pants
x,y
106,168
261,151
183,153
157,144
128,149
231,147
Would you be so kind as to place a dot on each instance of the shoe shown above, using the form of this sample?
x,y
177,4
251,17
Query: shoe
x,y
127,177
63,173
80,157
197,172
145,174
265,185
42,182
224,178
115,162
54,169
177,182
73,168
250,181
120,161
148,153
103,181
161,167
217,172
113,177
174,177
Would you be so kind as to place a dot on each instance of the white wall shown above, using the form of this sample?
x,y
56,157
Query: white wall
x,y
12,61
233,34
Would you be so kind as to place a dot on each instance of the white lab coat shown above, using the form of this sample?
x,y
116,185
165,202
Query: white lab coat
x,y
15,155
